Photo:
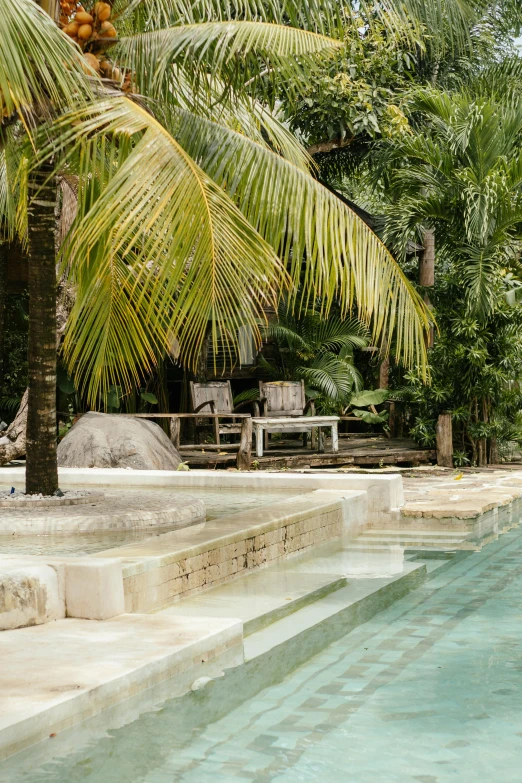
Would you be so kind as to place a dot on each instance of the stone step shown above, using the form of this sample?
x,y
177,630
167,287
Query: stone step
x,y
379,532
418,539
261,598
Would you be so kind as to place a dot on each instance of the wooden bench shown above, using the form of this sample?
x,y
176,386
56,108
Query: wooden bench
x,y
284,408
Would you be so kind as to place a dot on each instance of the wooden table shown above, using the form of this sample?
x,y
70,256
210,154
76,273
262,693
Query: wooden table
x,y
295,424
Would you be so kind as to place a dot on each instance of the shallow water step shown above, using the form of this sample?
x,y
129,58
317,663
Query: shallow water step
x,y
418,539
312,628
260,598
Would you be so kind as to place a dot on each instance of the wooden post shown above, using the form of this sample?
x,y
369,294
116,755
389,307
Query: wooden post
x,y
444,440
244,455
175,426
335,438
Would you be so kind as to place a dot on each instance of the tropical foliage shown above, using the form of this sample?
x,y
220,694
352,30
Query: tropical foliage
x,y
451,164
196,205
319,351
176,231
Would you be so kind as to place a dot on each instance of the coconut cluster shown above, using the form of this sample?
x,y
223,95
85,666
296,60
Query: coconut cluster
x,y
87,27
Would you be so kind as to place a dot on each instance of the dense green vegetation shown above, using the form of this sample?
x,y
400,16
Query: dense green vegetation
x,y
195,204
426,135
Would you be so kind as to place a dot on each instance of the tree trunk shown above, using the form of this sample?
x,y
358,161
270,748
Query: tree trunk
x,y
3,303
41,465
384,373
427,272
494,458
444,440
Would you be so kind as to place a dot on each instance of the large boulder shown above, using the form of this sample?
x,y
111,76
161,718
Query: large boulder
x,y
101,440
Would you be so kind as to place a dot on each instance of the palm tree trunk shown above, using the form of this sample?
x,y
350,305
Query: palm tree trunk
x,y
3,303
41,465
427,273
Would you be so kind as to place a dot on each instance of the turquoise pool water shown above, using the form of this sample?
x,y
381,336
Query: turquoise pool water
x,y
428,691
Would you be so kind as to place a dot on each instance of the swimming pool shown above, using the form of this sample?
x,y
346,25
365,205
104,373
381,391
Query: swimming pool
x,y
428,691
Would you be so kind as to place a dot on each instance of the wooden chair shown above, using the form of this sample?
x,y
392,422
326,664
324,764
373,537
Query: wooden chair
x,y
284,408
215,397
284,398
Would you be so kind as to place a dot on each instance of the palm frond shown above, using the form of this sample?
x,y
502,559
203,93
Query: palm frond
x,y
237,111
159,251
330,376
39,65
10,156
316,15
286,334
334,333
235,50
301,219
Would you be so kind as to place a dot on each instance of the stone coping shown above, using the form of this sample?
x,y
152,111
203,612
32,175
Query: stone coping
x,y
385,491
222,531
469,505
23,502
140,509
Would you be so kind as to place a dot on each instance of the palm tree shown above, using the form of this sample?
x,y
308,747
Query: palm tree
x,y
461,173
195,204
206,212
34,84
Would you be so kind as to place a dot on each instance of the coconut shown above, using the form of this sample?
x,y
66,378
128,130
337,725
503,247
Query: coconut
x,y
82,17
108,30
102,11
92,61
71,29
106,68
85,32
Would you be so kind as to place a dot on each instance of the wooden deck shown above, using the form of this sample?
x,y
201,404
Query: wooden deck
x,y
353,450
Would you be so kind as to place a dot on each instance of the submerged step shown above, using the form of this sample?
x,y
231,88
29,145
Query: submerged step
x,y
307,631
260,598
373,532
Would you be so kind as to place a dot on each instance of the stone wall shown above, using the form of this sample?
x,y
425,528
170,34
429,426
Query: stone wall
x,y
152,583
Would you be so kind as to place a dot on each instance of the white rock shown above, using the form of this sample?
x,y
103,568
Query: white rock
x,y
100,440
200,683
